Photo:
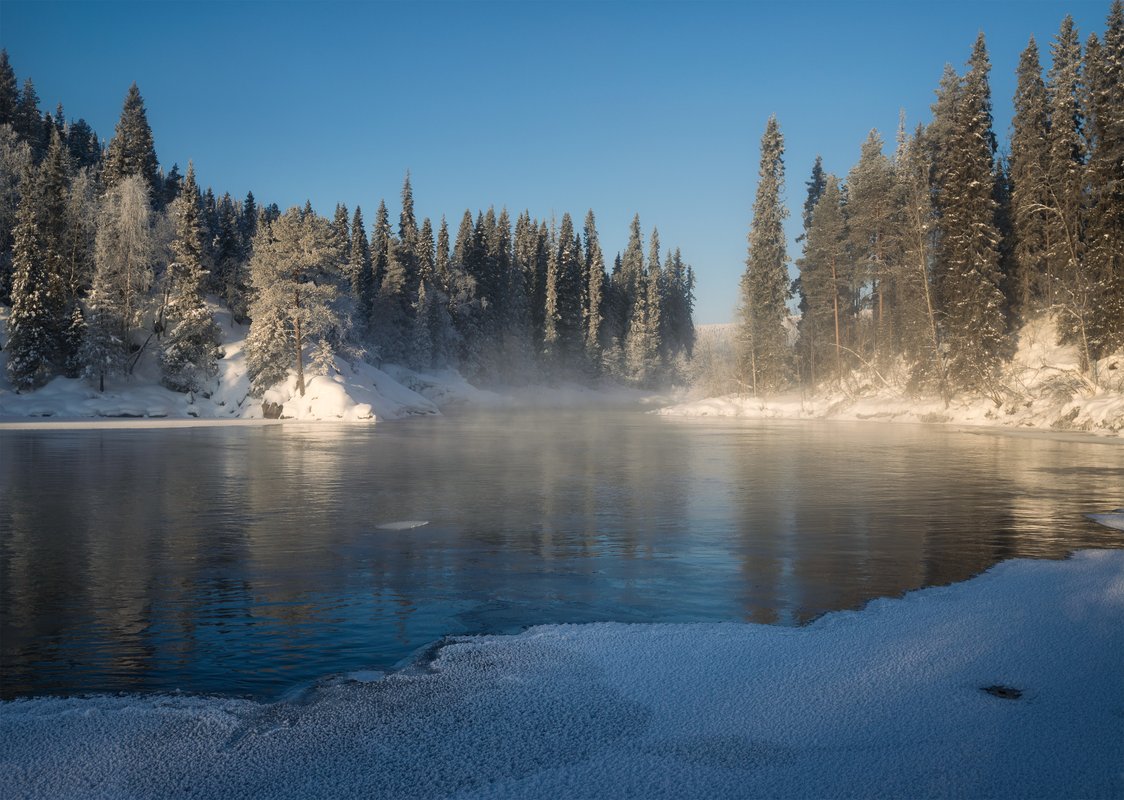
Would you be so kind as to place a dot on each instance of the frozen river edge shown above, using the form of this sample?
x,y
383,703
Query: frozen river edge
x,y
888,701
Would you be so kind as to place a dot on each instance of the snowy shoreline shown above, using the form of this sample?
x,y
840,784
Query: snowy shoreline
x,y
889,700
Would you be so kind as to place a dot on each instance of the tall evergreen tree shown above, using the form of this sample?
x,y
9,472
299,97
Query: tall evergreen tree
x,y
131,150
297,283
360,270
869,208
190,349
594,279
815,186
31,329
1105,179
1066,179
826,287
764,286
1030,190
9,90
968,251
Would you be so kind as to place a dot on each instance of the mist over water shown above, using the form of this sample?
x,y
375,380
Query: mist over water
x,y
250,560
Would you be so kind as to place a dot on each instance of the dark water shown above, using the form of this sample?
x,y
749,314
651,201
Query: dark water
x,y
249,560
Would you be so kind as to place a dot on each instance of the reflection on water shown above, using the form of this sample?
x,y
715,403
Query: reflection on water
x,y
248,560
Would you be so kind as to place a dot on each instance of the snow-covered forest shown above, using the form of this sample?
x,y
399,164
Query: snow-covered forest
x,y
106,260
920,268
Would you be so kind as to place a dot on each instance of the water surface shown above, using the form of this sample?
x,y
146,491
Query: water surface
x,y
252,560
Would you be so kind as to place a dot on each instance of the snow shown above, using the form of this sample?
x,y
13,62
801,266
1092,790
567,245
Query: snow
x,y
353,392
889,701
1114,519
1043,389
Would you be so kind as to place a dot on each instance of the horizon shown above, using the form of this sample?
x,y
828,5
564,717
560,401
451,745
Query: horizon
x,y
648,73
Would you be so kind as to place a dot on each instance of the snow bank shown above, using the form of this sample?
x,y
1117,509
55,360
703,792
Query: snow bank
x,y
888,702
1043,389
352,392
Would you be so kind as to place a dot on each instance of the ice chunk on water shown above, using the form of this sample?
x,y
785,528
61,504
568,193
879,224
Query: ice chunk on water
x,y
1113,519
402,525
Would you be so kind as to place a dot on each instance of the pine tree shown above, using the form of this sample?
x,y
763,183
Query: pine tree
x,y
594,278
296,281
1066,179
360,270
131,151
968,248
380,247
869,187
28,122
1105,179
764,286
190,348
815,186
1029,163
825,285
9,90
31,343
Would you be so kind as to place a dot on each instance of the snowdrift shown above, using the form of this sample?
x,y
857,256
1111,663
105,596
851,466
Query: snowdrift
x,y
1007,685
1043,385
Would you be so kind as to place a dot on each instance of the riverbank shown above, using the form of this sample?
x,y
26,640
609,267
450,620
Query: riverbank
x,y
1006,685
1042,388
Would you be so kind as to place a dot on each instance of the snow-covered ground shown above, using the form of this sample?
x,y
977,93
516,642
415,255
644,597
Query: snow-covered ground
x,y
355,391
1043,389
1008,685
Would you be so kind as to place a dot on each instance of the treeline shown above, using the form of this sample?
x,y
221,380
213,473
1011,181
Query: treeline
x,y
104,257
926,262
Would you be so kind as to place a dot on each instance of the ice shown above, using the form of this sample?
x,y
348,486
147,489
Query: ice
x,y
889,701
1113,519
402,525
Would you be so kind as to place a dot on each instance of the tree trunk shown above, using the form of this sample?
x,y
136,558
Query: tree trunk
x,y
835,305
299,346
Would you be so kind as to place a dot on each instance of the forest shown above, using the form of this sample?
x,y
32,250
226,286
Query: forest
x,y
924,265
918,267
106,259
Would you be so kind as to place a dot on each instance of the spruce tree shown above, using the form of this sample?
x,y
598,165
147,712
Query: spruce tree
x,y
869,188
1066,179
31,342
1105,179
360,270
1030,190
9,90
131,150
825,286
190,348
815,188
28,122
594,278
296,281
764,286
380,247
968,256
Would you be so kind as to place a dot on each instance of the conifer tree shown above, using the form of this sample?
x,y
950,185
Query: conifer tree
x,y
360,270
190,348
1029,163
764,286
594,278
869,188
815,186
9,90
825,286
1105,179
31,330
131,151
381,241
968,249
296,281
1066,180
28,122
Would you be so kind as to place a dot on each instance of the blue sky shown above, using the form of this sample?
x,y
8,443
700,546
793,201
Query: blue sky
x,y
623,107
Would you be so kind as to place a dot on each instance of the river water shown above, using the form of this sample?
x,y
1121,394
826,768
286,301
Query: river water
x,y
251,560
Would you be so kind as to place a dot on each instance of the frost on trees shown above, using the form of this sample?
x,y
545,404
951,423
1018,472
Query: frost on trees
x,y
295,309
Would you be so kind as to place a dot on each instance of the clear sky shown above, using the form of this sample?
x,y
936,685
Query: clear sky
x,y
625,107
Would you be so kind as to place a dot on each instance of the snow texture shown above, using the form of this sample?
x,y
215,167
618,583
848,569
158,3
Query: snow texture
x,y
890,701
1043,389
353,392
1114,519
